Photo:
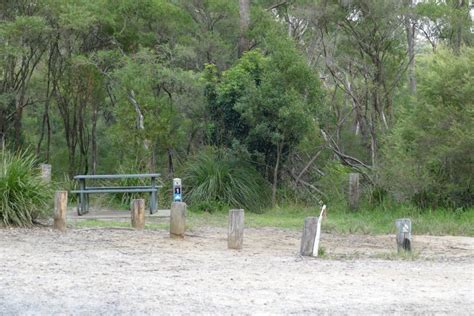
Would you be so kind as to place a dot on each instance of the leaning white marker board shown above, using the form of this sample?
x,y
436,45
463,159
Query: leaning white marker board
x,y
318,232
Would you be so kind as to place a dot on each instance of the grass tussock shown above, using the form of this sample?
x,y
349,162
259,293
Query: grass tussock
x,y
23,195
218,178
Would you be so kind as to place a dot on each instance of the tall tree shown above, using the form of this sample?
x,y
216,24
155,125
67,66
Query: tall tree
x,y
244,43
410,27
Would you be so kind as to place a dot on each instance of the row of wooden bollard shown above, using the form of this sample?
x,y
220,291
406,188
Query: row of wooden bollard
x,y
235,235
311,227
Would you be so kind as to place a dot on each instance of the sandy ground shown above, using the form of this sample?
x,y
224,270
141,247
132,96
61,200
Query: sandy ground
x,y
120,271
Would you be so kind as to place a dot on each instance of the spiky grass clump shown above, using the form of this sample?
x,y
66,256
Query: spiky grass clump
x,y
217,176
23,194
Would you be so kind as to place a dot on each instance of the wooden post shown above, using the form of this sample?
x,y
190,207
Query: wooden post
x,y
178,220
60,209
309,235
138,213
354,191
45,172
235,236
403,234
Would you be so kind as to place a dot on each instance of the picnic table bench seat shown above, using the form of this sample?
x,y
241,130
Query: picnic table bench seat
x,y
84,190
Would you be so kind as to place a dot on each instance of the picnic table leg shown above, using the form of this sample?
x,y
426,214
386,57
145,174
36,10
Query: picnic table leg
x,y
87,203
82,198
153,196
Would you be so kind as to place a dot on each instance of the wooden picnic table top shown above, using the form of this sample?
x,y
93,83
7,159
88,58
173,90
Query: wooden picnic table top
x,y
116,176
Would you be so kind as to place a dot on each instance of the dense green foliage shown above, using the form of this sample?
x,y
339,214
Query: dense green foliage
x,y
23,194
429,157
292,99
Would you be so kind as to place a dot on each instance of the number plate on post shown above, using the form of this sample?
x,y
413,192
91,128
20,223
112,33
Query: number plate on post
x,y
177,190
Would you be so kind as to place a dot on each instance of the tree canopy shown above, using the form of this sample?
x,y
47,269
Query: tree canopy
x,y
299,93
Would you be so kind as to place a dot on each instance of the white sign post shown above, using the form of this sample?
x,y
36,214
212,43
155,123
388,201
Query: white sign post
x,y
318,232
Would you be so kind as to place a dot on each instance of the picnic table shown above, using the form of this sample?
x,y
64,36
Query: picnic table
x,y
84,190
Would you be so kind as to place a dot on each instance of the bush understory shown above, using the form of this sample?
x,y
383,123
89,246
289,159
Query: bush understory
x,y
375,221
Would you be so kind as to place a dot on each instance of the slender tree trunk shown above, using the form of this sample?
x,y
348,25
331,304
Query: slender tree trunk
x,y
3,123
94,138
373,143
410,31
72,161
462,8
170,163
244,25
48,139
83,138
18,116
45,129
275,173
46,122
152,161
19,104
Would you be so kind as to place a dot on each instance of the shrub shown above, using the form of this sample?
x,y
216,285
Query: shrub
x,y
428,157
23,194
217,176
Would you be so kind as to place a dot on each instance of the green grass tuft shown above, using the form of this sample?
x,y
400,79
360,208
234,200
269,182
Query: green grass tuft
x,y
23,195
218,177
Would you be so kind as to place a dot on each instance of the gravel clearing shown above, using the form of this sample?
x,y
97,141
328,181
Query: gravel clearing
x,y
121,271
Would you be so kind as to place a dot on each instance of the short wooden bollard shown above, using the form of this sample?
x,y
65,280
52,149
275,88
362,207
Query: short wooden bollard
x,y
403,234
45,172
60,209
309,235
235,237
178,220
137,208
354,191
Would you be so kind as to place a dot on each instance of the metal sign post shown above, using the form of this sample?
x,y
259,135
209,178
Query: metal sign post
x,y
177,190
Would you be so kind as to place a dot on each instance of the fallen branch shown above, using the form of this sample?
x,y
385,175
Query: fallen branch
x,y
309,185
303,171
353,162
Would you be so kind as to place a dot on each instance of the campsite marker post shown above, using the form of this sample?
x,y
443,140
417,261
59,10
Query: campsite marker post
x,y
403,234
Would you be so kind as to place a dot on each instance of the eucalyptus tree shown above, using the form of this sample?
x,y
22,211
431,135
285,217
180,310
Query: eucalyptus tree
x,y
160,92
446,21
365,57
213,34
23,40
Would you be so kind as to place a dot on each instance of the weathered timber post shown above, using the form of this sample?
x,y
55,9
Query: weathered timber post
x,y
178,220
235,236
354,191
138,213
60,209
309,235
403,234
45,172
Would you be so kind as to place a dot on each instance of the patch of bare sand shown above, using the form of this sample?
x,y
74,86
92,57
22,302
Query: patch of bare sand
x,y
120,271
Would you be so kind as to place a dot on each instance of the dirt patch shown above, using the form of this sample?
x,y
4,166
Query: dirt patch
x,y
120,271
